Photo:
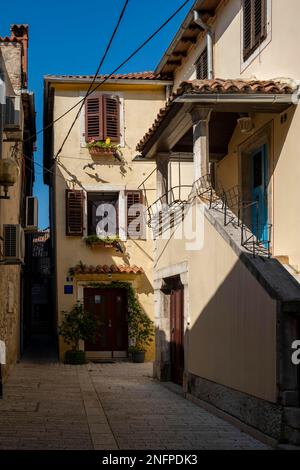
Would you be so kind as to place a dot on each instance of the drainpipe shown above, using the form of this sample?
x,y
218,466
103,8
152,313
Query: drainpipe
x,y
209,42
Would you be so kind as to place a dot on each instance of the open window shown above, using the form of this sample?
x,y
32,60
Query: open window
x,y
103,214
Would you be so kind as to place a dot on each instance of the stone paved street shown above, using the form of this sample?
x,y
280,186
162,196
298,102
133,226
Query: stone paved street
x,y
105,406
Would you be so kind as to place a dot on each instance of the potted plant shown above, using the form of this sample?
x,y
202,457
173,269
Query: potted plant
x,y
78,324
98,148
106,242
141,331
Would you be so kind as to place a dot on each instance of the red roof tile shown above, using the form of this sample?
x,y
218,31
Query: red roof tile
x,y
105,269
119,76
10,39
216,86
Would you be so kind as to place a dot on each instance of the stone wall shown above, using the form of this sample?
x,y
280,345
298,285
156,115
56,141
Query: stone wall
x,y
10,313
12,55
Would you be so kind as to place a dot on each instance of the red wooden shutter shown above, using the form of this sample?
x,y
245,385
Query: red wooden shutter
x,y
74,212
111,112
132,198
94,118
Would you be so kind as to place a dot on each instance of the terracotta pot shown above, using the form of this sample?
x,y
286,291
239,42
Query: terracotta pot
x,y
100,152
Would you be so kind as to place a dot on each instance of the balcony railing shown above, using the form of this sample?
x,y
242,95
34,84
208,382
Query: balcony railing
x,y
255,236
174,197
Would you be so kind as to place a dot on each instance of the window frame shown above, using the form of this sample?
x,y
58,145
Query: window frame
x,y
104,195
121,114
255,51
204,52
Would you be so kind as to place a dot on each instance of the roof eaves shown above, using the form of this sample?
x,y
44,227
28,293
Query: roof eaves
x,y
121,81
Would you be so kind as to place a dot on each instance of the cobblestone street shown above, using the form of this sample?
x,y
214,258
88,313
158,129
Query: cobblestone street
x,y
105,406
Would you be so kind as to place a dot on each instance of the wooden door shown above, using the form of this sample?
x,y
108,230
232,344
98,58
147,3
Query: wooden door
x,y
177,335
109,307
260,194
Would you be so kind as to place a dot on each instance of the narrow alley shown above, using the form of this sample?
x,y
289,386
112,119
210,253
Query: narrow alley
x,y
105,406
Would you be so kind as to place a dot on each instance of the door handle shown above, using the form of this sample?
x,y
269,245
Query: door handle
x,y
109,323
173,331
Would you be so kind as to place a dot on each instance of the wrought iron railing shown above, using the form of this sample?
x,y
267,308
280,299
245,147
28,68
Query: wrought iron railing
x,y
167,201
204,188
244,215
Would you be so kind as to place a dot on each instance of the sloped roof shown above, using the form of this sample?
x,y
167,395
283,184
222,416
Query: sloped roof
x,y
217,86
148,75
105,269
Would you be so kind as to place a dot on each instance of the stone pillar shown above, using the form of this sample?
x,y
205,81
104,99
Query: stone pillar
x,y
200,119
162,163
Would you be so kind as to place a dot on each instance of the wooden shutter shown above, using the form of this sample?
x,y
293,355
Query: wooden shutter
x,y
255,25
74,212
202,66
132,198
111,111
94,118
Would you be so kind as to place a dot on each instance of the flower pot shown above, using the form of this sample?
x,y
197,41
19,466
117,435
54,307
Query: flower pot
x,y
100,152
101,245
138,356
75,357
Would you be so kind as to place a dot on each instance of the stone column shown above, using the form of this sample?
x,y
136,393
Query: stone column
x,y
200,119
162,163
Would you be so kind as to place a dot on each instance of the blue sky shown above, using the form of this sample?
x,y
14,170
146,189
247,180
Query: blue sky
x,y
69,37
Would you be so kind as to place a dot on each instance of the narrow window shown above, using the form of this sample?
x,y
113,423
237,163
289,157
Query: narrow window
x,y
254,25
202,66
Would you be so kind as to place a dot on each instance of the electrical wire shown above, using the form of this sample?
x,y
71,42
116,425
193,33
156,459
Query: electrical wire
x,y
48,126
94,78
99,84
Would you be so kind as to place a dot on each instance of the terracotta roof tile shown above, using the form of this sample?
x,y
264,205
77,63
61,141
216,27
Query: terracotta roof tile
x,y
126,76
105,269
216,86
10,39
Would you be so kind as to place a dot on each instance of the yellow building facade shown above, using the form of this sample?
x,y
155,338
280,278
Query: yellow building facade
x,y
106,178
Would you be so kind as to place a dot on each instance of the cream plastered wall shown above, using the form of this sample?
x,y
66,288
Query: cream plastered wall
x,y
10,278
232,320
277,57
140,107
284,174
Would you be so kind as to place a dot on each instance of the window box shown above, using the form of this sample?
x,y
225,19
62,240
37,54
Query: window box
x,y
100,152
109,242
104,148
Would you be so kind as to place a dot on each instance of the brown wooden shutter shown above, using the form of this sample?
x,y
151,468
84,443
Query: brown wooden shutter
x,y
111,112
255,25
74,212
202,66
132,198
94,118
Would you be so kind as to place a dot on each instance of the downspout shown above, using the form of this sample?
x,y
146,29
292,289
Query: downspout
x,y
209,43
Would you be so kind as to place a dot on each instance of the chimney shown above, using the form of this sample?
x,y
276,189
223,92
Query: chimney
x,y
20,31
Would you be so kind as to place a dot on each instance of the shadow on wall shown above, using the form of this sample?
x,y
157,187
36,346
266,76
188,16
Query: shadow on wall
x,y
235,358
